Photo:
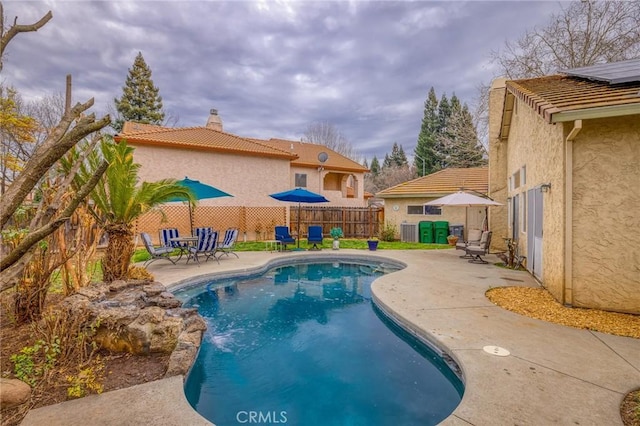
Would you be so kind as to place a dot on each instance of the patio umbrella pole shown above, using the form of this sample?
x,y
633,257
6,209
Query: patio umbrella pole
x,y
190,218
298,225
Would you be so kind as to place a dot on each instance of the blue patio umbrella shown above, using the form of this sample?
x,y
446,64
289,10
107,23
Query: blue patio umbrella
x,y
201,191
299,195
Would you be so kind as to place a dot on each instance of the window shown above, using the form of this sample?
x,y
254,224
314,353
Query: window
x,y
523,175
421,210
301,180
516,180
432,210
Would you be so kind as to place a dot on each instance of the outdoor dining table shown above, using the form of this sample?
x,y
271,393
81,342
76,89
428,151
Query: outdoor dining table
x,y
188,242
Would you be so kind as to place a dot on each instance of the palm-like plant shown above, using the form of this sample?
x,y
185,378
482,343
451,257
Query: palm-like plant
x,y
120,198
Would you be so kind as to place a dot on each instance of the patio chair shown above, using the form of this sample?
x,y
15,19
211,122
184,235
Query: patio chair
x,y
283,235
227,244
211,246
167,234
205,246
155,252
476,252
315,236
473,239
199,230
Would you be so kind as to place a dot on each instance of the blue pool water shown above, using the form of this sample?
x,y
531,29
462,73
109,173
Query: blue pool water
x,y
304,345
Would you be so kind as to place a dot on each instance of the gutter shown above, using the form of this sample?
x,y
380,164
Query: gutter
x,y
596,112
567,293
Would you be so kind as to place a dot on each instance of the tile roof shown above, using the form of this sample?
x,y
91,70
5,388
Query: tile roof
x,y
440,183
563,98
197,138
308,155
133,127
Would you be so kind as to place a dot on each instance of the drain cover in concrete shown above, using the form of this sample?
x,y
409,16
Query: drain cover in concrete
x,y
496,350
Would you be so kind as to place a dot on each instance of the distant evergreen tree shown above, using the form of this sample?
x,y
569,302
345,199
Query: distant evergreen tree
x,y
398,157
140,101
448,136
386,162
425,155
460,142
375,166
444,112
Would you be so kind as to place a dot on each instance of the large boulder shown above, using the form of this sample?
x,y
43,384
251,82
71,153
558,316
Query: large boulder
x,y
13,392
142,318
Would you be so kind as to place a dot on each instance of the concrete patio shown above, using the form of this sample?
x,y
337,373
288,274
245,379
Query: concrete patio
x,y
553,374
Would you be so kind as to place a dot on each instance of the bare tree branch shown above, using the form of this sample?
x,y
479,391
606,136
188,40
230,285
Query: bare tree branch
x,y
16,29
34,236
45,214
584,33
59,141
324,133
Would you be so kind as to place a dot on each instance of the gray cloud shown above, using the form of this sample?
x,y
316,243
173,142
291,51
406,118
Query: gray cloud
x,y
273,68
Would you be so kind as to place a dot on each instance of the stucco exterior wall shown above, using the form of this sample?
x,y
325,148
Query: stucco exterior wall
x,y
497,167
453,215
249,179
606,218
538,146
330,190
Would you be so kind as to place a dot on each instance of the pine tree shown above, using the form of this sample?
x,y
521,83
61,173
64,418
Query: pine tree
x,y
386,162
375,166
459,144
448,136
140,101
424,153
444,112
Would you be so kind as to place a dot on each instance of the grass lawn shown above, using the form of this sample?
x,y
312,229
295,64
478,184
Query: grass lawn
x,y
141,255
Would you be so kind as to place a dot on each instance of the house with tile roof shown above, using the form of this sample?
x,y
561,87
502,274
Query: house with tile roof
x,y
564,158
324,171
248,168
404,203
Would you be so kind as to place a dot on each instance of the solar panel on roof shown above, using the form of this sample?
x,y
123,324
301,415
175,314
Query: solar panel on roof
x,y
612,73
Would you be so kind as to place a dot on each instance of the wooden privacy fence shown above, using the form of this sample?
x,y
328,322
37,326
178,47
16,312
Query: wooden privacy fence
x,y
258,223
356,222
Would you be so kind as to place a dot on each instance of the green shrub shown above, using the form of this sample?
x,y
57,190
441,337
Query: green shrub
x,y
388,233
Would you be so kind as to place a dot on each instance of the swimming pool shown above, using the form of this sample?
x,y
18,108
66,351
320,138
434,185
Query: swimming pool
x,y
302,344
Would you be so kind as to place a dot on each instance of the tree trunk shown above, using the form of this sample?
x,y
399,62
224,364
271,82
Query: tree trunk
x,y
115,264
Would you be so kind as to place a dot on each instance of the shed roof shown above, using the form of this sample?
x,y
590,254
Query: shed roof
x,y
198,138
440,183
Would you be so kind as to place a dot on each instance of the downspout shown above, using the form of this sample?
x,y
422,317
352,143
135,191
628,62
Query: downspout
x,y
568,214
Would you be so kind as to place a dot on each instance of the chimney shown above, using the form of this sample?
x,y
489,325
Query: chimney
x,y
214,122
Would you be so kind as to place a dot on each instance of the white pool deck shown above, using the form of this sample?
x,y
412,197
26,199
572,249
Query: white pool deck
x,y
552,375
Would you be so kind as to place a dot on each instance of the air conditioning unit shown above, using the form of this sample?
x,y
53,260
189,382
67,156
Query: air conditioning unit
x,y
409,233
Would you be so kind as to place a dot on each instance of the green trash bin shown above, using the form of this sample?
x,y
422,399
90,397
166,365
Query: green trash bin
x,y
426,232
441,231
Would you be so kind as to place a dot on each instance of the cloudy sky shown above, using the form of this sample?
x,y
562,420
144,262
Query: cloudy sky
x,y
272,68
